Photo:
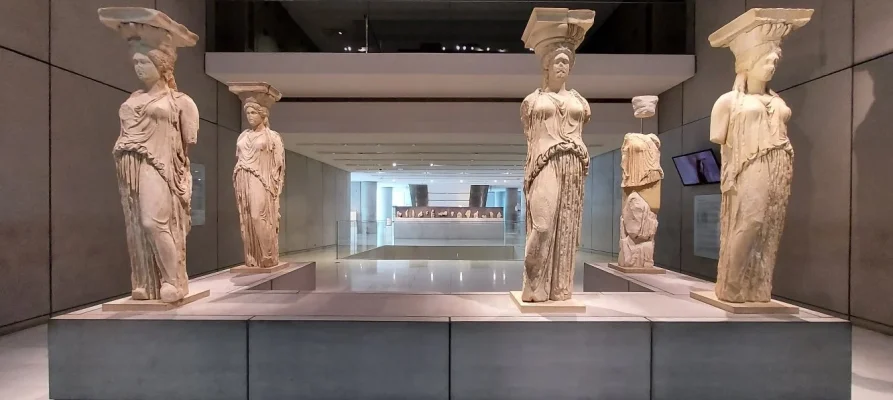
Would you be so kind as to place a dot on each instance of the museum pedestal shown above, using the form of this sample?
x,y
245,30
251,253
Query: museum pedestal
x,y
647,270
129,304
545,307
251,339
770,307
244,269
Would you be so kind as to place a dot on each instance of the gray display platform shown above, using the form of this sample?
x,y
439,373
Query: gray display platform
x,y
278,344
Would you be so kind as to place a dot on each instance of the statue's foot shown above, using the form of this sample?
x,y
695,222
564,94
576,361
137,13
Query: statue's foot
x,y
169,293
139,294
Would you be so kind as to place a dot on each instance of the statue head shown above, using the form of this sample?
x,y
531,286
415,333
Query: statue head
x,y
554,35
257,99
153,38
257,115
755,40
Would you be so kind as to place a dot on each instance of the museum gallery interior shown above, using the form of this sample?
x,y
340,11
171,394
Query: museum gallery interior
x,y
449,199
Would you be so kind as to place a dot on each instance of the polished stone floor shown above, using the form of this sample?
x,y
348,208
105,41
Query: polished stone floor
x,y
23,355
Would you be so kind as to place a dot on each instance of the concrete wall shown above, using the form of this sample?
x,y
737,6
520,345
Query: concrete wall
x,y
64,77
837,77
314,198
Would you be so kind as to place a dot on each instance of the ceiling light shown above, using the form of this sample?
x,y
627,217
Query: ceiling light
x,y
488,49
340,33
463,47
457,47
432,180
461,181
502,50
504,181
394,164
349,49
362,49
432,164
393,180
345,48
494,181
443,48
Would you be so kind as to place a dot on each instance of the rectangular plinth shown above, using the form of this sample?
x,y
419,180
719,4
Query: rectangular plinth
x,y
349,359
565,306
559,359
129,304
244,269
148,359
648,270
766,360
771,307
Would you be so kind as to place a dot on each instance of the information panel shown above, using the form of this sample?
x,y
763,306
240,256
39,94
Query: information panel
x,y
706,236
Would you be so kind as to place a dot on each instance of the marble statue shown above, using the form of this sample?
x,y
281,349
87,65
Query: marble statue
x,y
467,213
475,214
750,124
399,214
640,180
491,214
557,160
259,175
452,214
158,123
499,215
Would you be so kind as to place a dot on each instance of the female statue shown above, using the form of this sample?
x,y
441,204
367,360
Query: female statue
x,y
750,123
557,160
154,180
259,175
641,178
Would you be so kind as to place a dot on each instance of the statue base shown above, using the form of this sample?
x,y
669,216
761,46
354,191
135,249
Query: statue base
x,y
646,270
564,306
244,269
770,307
129,304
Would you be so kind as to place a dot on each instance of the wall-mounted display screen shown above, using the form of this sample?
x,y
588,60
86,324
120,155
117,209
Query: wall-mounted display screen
x,y
698,168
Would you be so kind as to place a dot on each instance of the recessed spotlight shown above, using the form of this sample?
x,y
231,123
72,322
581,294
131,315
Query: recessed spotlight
x,y
431,180
393,164
432,164
443,48
504,181
345,48
501,50
463,47
461,181
488,49
349,49
458,48
494,181
340,32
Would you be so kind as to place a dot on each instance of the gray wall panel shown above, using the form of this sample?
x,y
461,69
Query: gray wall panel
x,y
24,27
90,260
80,43
191,76
666,242
816,233
821,47
229,109
24,183
715,67
602,201
872,242
873,31
669,109
201,244
229,239
695,137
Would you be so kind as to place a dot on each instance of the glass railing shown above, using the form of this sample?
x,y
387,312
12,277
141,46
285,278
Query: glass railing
x,y
378,239
437,26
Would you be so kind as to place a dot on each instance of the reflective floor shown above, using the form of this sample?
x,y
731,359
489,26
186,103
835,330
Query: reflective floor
x,y
23,355
440,276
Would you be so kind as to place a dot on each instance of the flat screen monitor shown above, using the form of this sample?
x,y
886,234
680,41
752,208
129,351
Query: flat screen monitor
x,y
698,168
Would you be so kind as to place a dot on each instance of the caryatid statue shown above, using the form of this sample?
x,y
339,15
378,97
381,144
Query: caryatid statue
x,y
640,180
259,175
557,159
750,124
158,122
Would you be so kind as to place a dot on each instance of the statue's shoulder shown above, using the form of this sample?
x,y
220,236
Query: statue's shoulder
x,y
184,101
726,99
531,97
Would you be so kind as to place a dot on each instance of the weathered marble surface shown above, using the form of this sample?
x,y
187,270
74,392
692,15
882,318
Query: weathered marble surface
x,y
557,159
259,175
750,123
151,158
641,176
